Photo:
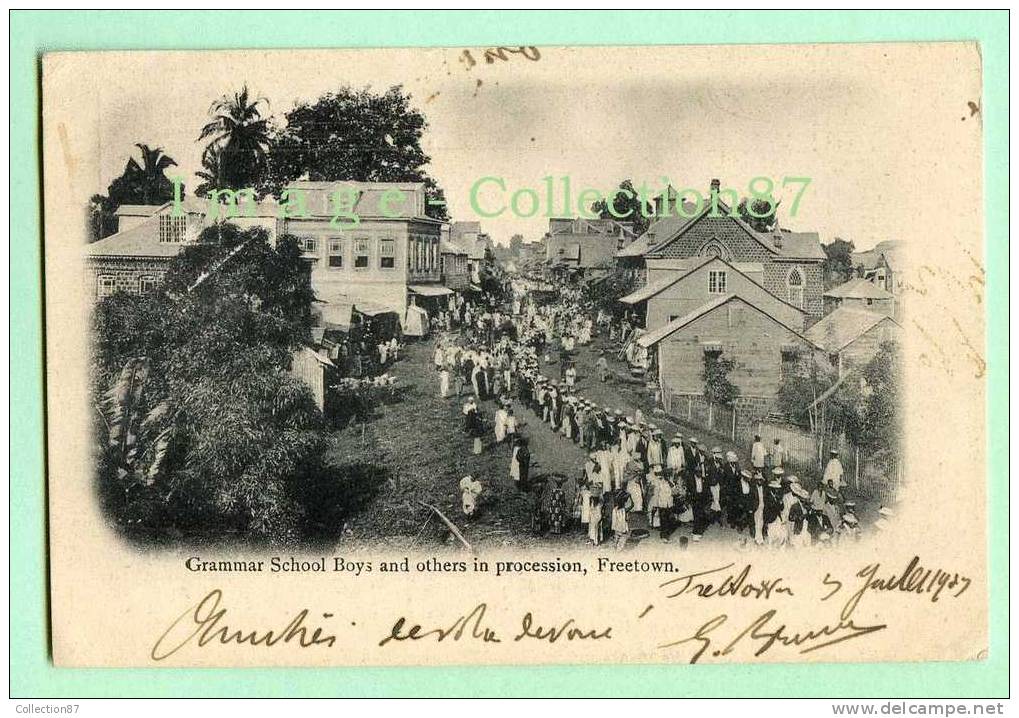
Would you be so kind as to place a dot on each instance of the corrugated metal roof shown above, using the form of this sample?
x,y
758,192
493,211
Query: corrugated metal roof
x,y
842,327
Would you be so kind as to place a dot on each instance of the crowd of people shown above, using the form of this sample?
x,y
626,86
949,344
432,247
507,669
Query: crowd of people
x,y
633,480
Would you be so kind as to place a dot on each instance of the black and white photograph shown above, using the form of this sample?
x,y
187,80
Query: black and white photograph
x,y
695,316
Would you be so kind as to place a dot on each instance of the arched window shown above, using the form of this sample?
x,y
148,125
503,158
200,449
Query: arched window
x,y
714,248
794,282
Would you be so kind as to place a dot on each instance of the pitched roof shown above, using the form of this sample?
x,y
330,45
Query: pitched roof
x,y
142,240
137,210
659,231
858,289
661,285
800,245
653,337
449,247
790,245
369,201
843,326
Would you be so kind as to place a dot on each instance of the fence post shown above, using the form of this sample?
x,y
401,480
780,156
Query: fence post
x,y
734,423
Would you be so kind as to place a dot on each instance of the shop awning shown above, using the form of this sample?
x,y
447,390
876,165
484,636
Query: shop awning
x,y
337,315
429,290
373,310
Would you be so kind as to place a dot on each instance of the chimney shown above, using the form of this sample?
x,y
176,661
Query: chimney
x,y
716,185
777,238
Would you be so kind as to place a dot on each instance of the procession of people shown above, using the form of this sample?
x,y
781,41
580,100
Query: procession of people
x,y
633,481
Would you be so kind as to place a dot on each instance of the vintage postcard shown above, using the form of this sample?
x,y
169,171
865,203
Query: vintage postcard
x,y
516,355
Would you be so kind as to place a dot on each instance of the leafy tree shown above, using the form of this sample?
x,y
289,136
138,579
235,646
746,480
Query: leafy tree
x,y
628,205
881,429
767,215
203,433
605,294
142,182
238,134
718,389
354,135
838,263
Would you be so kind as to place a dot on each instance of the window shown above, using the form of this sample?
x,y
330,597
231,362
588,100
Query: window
x,y
336,253
387,253
361,252
716,282
105,286
790,362
410,253
146,284
308,245
172,229
869,302
794,282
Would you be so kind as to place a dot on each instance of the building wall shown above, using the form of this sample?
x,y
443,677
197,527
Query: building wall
x,y
693,291
880,306
126,272
747,335
415,258
595,249
737,246
776,280
455,272
863,348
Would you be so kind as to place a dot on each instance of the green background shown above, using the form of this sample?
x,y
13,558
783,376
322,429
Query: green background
x,y
33,33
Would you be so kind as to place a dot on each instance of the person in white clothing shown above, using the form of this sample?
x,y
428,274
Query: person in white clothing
x,y
833,472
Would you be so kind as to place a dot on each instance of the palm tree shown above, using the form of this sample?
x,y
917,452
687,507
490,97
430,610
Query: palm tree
x,y
144,183
212,172
238,140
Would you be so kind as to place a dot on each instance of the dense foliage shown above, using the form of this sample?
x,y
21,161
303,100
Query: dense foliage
x,y
202,431
718,389
353,135
142,182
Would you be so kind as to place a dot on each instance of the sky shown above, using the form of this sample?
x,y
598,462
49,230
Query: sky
x,y
862,122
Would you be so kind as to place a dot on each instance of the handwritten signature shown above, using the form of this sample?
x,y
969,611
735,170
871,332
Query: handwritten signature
x,y
204,623
765,632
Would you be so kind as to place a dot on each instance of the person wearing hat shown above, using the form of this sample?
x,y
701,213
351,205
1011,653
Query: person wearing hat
x,y
620,459
700,498
691,456
655,456
796,516
604,456
520,463
511,424
499,423
603,367
660,500
674,457
742,509
773,507
714,472
731,497
833,471
850,530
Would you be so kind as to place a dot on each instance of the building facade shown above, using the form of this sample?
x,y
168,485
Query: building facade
x,y
763,348
676,292
791,262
